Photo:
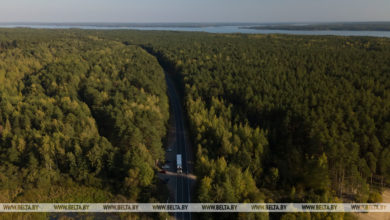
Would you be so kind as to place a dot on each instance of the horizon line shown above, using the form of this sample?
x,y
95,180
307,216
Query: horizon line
x,y
182,22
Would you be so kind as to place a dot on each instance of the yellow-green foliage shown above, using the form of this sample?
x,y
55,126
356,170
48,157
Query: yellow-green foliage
x,y
79,116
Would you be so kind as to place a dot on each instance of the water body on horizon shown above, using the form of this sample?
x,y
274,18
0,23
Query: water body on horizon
x,y
209,29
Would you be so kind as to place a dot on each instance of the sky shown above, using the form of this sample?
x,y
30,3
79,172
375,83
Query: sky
x,y
193,10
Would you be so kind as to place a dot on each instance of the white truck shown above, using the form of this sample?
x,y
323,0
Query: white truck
x,y
179,167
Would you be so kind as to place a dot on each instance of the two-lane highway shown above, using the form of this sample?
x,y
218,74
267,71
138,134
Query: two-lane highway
x,y
183,182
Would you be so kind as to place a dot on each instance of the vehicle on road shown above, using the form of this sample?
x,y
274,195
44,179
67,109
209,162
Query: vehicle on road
x,y
166,166
169,149
179,167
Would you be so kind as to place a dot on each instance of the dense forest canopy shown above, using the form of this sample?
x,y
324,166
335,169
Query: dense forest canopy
x,y
282,118
273,118
81,119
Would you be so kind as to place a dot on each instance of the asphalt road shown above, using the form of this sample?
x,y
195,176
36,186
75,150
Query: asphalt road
x,y
183,181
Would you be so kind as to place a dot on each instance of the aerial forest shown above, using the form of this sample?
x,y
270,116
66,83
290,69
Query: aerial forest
x,y
82,119
279,118
272,118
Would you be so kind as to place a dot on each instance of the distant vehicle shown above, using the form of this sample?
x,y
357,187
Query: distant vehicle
x,y
169,149
179,167
166,166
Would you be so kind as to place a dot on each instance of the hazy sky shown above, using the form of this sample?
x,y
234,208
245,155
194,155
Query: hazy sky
x,y
193,10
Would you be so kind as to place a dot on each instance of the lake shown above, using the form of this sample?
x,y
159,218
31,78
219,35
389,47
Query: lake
x,y
208,29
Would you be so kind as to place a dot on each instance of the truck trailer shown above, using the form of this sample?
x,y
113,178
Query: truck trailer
x,y
179,167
